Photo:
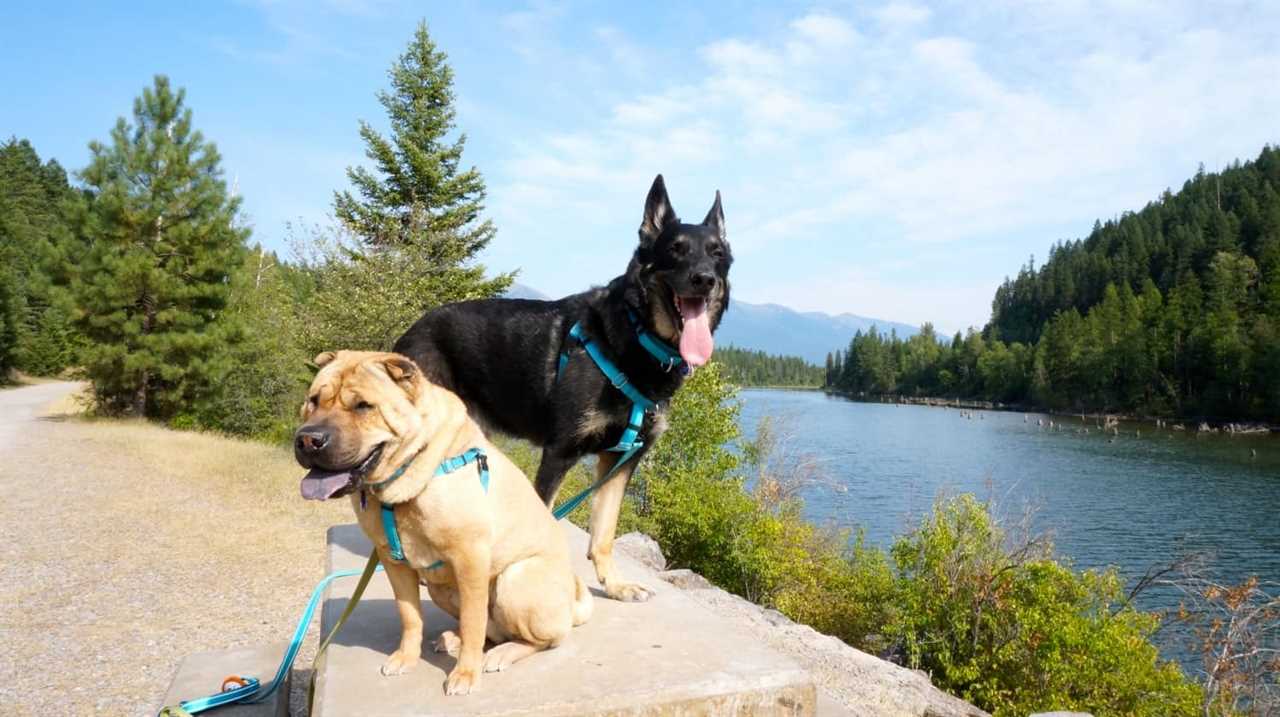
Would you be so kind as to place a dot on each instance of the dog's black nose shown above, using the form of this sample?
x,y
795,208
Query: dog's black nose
x,y
703,280
311,440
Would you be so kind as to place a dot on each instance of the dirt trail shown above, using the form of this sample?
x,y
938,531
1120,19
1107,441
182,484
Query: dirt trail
x,y
125,546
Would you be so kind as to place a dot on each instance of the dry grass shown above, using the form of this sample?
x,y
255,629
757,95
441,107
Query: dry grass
x,y
127,546
76,403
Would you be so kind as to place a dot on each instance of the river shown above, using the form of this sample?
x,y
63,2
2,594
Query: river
x,y
1132,501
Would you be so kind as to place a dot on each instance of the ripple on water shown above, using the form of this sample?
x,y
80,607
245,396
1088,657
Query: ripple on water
x,y
1128,501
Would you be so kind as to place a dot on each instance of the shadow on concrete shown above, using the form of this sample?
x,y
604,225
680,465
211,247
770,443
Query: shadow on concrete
x,y
368,627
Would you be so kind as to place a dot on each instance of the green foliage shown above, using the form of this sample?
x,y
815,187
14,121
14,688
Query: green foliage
x,y
10,313
367,299
418,197
757,368
1014,631
262,395
152,288
1177,301
34,237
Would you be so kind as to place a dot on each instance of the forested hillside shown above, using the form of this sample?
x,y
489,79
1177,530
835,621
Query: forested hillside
x,y
757,368
1174,309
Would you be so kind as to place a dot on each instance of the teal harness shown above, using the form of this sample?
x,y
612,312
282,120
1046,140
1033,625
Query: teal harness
x,y
629,444
449,465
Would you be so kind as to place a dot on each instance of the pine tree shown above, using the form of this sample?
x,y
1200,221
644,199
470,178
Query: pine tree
x,y
163,242
418,197
409,241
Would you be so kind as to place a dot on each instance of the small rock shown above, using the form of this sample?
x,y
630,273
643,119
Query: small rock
x,y
686,579
642,548
775,618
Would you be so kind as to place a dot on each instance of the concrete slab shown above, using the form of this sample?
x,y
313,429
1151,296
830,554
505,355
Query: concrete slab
x,y
201,674
667,656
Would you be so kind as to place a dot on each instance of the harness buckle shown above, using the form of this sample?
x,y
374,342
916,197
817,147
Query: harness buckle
x,y
482,462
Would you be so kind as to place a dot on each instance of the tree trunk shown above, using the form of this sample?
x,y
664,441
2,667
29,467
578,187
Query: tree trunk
x,y
144,376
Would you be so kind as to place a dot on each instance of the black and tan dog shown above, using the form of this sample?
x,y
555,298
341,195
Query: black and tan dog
x,y
503,358
505,571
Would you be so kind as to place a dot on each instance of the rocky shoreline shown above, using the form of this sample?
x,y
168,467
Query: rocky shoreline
x,y
1198,424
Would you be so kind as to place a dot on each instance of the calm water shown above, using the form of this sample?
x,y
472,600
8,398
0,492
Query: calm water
x,y
1133,502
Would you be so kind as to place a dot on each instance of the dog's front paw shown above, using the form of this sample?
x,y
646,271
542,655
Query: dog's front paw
x,y
461,681
399,663
628,592
448,642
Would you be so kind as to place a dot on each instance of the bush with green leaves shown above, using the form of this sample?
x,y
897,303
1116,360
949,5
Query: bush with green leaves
x,y
1004,625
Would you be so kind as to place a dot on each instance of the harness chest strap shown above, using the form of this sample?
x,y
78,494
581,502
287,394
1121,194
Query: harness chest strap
x,y
449,465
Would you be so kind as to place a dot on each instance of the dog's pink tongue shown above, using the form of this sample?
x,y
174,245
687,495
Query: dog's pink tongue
x,y
696,343
321,485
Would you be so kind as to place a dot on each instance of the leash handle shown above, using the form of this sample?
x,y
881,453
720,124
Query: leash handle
x,y
252,690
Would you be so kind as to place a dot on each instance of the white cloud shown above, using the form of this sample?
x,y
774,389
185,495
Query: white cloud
x,y
824,29
876,147
899,14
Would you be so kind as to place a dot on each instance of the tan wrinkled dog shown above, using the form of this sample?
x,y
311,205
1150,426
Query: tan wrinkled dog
x,y
506,571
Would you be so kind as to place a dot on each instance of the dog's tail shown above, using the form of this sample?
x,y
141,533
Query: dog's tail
x,y
583,601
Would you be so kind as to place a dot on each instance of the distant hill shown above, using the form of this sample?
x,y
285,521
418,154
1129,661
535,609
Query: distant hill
x,y
776,329
810,335
521,291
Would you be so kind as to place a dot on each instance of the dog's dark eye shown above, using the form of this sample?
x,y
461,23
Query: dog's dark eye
x,y
680,248
314,401
716,251
364,406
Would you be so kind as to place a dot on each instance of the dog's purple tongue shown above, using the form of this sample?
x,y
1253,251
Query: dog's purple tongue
x,y
696,343
321,485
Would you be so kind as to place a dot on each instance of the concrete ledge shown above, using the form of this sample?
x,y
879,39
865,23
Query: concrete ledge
x,y
668,656
201,674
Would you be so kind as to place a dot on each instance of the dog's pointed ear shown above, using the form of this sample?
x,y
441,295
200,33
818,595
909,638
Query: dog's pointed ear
x,y
715,218
400,368
658,213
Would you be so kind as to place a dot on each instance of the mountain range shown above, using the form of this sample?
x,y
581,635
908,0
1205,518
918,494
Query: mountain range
x,y
776,329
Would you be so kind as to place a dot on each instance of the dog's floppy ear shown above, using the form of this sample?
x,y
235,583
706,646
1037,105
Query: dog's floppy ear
x,y
657,213
323,358
715,218
400,368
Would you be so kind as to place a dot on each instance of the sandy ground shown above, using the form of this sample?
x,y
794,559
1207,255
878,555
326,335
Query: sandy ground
x,y
126,546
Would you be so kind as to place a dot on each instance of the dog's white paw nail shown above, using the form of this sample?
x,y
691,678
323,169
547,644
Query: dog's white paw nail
x,y
398,664
461,682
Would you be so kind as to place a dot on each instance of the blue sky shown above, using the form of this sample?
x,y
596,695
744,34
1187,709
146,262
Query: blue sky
x,y
890,159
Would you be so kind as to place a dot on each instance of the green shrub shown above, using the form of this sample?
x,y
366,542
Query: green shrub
x,y
1010,629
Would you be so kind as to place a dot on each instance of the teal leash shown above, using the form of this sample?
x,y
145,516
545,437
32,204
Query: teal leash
x,y
250,689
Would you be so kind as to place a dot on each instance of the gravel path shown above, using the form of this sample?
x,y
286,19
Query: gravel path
x,y
126,546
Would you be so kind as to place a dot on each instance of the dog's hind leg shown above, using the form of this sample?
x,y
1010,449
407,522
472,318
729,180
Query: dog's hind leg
x,y
551,472
500,657
604,525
